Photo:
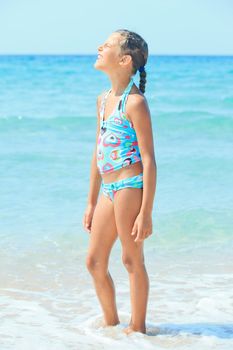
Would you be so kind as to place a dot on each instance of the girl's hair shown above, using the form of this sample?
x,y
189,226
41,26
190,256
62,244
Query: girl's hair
x,y
135,46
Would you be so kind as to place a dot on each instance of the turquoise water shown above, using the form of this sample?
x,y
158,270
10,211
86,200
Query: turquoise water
x,y
48,125
47,135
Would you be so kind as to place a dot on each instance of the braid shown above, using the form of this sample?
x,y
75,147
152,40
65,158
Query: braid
x,y
142,82
135,46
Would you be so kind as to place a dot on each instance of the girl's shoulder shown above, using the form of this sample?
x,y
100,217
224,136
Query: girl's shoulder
x,y
136,97
103,93
136,102
100,99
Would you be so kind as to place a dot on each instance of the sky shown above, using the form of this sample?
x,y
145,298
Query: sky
x,y
170,27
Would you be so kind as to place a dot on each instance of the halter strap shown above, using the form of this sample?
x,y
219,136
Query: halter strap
x,y
121,103
125,95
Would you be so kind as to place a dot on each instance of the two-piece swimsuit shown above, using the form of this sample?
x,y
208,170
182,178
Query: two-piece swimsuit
x,y
117,146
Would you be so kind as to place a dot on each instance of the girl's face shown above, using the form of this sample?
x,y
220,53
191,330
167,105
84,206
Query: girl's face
x,y
109,54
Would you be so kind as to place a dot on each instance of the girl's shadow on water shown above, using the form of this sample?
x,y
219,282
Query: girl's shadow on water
x,y
210,329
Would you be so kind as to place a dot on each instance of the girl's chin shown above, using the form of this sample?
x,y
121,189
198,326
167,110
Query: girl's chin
x,y
97,65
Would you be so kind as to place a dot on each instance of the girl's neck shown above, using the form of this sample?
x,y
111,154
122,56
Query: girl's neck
x,y
119,85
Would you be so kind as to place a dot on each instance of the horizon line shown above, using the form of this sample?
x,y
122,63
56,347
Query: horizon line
x,y
91,54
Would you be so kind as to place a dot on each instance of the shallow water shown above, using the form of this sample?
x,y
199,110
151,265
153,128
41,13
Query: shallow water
x,y
53,301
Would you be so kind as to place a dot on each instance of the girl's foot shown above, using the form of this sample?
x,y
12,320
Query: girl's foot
x,y
130,329
104,324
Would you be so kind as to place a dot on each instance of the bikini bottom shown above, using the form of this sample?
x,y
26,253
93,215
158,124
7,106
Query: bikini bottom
x,y
109,189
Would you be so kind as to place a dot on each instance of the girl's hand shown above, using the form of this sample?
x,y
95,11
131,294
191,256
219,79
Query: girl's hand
x,y
87,218
142,227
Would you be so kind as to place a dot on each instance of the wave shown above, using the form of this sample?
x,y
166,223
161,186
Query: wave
x,y
196,120
38,123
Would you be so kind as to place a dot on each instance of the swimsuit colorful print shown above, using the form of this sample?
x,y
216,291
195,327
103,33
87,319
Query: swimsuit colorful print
x,y
110,189
117,145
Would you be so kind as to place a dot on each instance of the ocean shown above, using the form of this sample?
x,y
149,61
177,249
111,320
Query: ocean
x,y
47,137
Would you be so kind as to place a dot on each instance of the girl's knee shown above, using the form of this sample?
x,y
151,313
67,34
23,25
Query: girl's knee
x,y
132,263
95,265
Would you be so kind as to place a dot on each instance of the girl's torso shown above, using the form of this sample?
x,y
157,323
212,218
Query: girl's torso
x,y
118,154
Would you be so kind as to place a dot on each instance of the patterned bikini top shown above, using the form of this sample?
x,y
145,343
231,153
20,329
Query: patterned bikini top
x,y
117,144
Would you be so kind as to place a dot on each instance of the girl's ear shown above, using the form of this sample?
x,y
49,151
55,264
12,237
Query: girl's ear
x,y
126,59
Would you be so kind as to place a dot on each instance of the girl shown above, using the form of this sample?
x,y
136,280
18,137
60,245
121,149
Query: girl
x,y
124,161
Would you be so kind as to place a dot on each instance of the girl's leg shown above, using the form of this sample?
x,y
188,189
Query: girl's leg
x,y
127,204
102,237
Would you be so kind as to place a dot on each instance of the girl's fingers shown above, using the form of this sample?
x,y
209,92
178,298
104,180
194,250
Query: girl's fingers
x,y
148,234
87,220
86,224
134,230
139,237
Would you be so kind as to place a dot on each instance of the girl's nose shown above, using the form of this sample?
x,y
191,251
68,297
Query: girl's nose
x,y
100,47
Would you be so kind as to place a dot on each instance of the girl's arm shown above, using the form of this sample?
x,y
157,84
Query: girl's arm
x,y
140,115
95,177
